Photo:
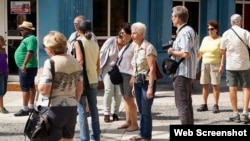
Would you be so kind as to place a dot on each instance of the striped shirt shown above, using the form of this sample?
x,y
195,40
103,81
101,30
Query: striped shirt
x,y
186,41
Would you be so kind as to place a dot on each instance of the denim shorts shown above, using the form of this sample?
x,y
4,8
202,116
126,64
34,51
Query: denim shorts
x,y
126,89
27,80
3,83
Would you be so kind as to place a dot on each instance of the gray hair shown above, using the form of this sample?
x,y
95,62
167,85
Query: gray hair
x,y
235,19
181,12
139,28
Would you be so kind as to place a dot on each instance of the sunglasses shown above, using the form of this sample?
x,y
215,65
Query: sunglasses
x,y
210,29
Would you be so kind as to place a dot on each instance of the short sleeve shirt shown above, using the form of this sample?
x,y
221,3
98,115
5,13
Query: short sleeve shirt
x,y
139,61
29,43
67,73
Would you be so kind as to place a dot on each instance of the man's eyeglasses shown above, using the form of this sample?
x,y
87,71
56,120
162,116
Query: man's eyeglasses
x,y
210,29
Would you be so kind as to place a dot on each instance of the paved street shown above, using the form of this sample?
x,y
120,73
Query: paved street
x,y
164,114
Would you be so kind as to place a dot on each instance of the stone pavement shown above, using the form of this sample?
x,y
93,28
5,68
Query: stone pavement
x,y
164,114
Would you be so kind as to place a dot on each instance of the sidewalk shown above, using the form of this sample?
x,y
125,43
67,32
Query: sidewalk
x,y
164,114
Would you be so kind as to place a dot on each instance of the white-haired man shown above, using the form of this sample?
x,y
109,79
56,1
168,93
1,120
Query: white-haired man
x,y
234,44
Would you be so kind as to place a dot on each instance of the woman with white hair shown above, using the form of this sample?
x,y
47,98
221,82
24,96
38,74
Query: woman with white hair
x,y
144,66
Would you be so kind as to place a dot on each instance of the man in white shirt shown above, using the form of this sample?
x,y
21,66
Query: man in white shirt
x,y
234,44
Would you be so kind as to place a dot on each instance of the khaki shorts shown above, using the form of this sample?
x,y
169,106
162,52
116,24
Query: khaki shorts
x,y
210,74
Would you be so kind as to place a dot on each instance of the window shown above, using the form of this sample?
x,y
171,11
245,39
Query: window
x,y
108,15
193,8
242,8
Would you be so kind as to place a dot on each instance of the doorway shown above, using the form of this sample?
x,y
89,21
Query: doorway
x,y
15,12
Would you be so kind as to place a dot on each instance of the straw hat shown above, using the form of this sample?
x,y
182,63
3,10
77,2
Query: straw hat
x,y
26,25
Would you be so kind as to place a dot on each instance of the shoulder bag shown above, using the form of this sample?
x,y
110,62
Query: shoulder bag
x,y
37,126
114,73
248,49
169,66
85,74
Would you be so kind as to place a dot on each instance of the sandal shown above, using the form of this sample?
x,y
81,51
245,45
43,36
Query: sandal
x,y
124,126
131,129
136,138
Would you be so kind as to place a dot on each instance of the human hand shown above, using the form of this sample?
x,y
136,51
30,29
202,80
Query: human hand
x,y
170,50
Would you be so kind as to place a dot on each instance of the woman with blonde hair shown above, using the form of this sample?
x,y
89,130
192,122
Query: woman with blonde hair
x,y
67,87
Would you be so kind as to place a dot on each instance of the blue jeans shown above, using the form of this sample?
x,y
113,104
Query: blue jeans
x,y
90,94
3,83
144,107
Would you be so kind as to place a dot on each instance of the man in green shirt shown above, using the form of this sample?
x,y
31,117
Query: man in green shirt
x,y
27,63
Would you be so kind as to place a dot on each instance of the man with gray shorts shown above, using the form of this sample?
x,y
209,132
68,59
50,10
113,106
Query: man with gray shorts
x,y
234,49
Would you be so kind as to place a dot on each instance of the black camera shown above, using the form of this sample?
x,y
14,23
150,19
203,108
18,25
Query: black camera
x,y
167,45
140,78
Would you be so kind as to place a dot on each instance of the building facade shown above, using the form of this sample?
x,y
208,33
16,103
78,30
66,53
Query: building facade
x,y
107,15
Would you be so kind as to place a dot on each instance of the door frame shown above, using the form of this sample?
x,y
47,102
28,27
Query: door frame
x,y
4,10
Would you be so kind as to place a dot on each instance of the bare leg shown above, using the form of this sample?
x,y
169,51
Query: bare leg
x,y
32,95
216,92
1,102
132,112
233,98
205,92
246,97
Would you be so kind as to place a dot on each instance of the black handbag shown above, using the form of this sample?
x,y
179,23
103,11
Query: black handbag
x,y
169,66
114,73
37,125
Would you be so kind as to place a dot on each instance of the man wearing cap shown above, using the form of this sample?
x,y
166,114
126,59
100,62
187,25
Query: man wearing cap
x,y
27,63
234,44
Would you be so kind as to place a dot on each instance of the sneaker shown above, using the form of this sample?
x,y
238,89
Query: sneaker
x,y
4,111
203,107
22,113
235,118
216,109
245,118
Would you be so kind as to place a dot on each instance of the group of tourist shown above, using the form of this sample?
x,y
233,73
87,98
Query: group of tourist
x,y
75,93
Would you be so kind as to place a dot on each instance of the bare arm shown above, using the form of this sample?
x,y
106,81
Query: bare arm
x,y
98,65
152,68
178,53
223,57
26,60
79,90
79,55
